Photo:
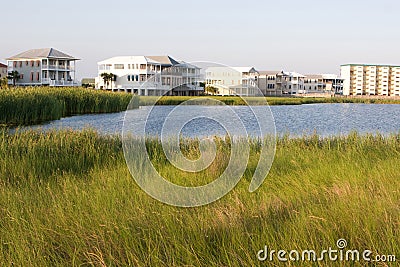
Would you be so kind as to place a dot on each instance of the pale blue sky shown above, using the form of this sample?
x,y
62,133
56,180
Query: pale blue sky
x,y
304,36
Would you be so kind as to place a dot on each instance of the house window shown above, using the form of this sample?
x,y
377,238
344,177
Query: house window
x,y
38,76
38,63
27,63
137,78
129,77
21,76
32,63
20,64
31,76
119,66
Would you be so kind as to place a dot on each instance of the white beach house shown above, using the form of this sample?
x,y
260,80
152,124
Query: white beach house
x,y
149,75
240,81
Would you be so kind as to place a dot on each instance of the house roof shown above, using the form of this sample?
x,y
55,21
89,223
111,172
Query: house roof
x,y
314,76
269,72
244,69
42,53
188,65
164,60
3,65
292,73
128,59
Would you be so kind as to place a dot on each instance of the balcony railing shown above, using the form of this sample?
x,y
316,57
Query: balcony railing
x,y
57,67
58,83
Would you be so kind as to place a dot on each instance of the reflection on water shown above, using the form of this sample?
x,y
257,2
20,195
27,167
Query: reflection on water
x,y
324,119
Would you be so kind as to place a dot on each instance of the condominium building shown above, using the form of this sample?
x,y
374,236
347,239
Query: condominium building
x,y
149,75
241,81
46,66
3,71
360,79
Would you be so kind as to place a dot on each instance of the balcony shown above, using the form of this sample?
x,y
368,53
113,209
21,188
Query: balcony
x,y
50,82
194,87
58,67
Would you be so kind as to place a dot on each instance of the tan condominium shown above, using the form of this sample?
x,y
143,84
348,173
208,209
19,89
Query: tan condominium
x,y
360,79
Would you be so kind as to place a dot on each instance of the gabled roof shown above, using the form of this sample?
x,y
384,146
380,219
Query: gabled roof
x,y
187,65
42,53
292,74
164,60
128,59
269,72
244,69
314,76
3,65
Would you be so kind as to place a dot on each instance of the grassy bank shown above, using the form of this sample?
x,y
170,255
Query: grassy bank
x,y
67,198
25,106
232,100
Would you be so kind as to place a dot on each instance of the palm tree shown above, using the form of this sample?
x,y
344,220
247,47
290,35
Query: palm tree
x,y
14,76
107,78
211,89
104,75
112,78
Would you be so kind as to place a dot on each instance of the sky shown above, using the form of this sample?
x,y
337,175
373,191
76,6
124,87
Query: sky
x,y
304,36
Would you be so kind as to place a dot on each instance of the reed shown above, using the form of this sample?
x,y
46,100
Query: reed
x,y
67,198
33,105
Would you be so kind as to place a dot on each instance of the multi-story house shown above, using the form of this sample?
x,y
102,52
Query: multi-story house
x,y
290,82
3,71
267,83
149,75
46,66
322,83
242,81
361,79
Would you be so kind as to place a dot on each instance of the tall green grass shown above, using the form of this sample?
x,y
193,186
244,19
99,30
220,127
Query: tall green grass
x,y
25,106
67,198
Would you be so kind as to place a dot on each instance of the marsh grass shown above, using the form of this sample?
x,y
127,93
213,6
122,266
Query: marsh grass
x,y
33,105
67,198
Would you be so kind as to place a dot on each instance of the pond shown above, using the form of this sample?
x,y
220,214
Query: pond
x,y
296,120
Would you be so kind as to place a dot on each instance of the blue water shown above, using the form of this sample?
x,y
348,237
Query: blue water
x,y
323,119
